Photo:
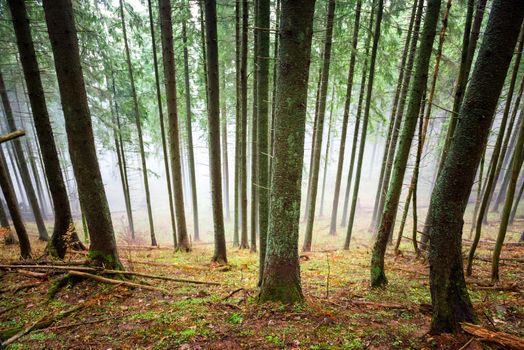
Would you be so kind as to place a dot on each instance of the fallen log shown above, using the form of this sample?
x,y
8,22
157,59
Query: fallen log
x,y
506,340
39,275
116,282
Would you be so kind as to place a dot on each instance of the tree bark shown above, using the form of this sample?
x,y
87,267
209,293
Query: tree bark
x,y
238,127
450,299
378,277
281,280
174,143
326,157
213,94
64,42
243,136
162,126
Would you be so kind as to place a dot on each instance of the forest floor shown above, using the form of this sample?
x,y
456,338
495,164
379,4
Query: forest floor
x,y
340,312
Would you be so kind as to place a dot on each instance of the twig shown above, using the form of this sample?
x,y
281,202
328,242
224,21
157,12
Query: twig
x,y
467,343
233,293
139,274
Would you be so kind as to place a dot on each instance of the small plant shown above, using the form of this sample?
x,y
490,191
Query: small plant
x,y
235,318
274,339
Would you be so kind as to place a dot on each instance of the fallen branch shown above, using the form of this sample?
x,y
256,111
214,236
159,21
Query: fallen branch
x,y
116,282
233,293
50,267
165,278
16,289
12,135
467,343
376,304
508,341
39,275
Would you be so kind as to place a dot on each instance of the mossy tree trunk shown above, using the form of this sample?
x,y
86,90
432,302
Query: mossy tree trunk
x,y
418,89
64,43
450,299
281,280
262,72
64,234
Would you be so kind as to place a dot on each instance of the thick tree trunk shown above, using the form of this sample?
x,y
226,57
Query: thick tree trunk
x,y
369,93
189,132
64,42
317,146
138,124
281,280
345,120
214,130
64,234
450,300
492,174
174,143
262,72
162,126
24,170
378,277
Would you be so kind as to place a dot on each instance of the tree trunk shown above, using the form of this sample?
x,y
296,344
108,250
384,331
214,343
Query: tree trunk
x,y
12,205
243,136
516,161
174,143
24,170
317,146
162,126
516,204
225,156
262,72
254,134
63,220
281,280
345,119
450,300
392,119
64,42
189,132
490,180
238,127
392,147
369,92
213,94
273,92
378,277
326,157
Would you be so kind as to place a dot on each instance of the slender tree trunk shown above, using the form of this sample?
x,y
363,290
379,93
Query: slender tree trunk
x,y
12,205
369,92
378,277
138,124
213,94
254,134
317,146
162,125
24,170
174,143
273,92
517,202
490,180
238,126
424,123
516,161
386,180
243,137
409,48
64,42
262,72
13,160
450,299
225,157
189,132
345,120
281,280
326,158
64,234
